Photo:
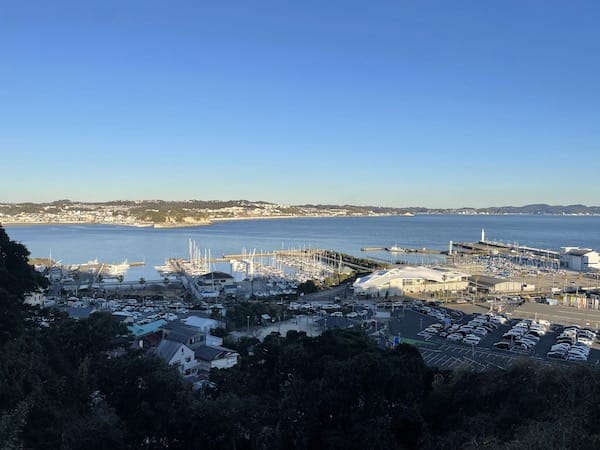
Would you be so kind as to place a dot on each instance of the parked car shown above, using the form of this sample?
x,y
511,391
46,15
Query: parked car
x,y
522,346
585,340
556,355
503,345
579,350
582,346
471,340
455,337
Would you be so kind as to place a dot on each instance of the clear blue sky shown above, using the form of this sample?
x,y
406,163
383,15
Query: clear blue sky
x,y
398,103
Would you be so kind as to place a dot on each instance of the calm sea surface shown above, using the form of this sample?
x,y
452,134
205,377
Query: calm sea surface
x,y
80,243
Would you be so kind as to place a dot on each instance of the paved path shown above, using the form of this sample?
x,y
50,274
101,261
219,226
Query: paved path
x,y
564,315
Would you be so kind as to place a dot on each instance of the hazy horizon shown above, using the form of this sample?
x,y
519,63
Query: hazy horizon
x,y
394,104
408,207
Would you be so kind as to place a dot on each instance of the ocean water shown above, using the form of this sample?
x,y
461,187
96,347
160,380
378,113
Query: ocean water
x,y
80,243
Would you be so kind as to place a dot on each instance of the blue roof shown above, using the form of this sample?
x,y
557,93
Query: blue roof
x,y
141,330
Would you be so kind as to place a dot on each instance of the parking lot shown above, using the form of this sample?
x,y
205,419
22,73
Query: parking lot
x,y
447,357
440,353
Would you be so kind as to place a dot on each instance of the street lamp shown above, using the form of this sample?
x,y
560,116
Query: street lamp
x,y
444,278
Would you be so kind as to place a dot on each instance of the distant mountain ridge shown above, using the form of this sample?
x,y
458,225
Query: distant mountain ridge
x,y
541,208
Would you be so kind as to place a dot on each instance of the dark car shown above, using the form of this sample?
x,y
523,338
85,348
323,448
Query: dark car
x,y
503,345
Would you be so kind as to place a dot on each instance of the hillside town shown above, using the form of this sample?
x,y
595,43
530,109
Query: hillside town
x,y
170,214
164,214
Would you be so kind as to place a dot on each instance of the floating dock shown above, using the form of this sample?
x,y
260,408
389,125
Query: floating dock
x,y
426,251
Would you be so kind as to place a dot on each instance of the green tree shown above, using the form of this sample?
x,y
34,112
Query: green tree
x,y
17,278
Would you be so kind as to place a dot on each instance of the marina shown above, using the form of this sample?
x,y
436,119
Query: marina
x,y
317,252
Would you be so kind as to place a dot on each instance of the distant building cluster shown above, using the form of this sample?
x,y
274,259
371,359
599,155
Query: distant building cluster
x,y
152,213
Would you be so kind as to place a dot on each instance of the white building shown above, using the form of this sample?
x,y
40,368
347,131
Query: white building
x,y
38,299
178,355
202,323
215,357
410,279
580,259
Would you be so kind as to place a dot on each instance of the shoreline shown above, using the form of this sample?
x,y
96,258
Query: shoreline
x,y
187,225
214,220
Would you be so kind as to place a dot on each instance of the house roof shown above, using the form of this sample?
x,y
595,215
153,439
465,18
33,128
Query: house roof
x,y
183,336
141,330
167,349
382,277
212,353
181,328
579,252
200,323
217,274
152,339
81,313
484,280
175,326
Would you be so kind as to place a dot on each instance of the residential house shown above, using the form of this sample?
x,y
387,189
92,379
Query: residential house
x,y
216,280
178,355
215,357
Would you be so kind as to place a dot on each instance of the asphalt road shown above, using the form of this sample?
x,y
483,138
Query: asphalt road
x,y
564,315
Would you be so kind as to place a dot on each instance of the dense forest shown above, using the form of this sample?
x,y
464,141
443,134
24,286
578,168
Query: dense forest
x,y
67,384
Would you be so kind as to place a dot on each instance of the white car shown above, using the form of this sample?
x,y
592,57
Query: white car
x,y
480,331
578,351
431,330
471,339
585,341
455,337
581,346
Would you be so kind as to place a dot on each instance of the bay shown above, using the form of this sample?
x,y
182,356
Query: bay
x,y
79,243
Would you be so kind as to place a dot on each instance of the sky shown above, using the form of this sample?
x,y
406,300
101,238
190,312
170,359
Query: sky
x,y
439,104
